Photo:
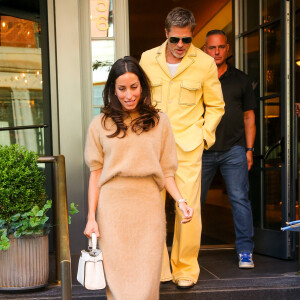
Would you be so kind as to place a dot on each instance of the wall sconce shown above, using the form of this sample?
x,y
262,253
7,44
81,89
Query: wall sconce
x,y
298,62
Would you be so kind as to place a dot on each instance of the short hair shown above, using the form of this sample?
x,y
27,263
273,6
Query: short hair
x,y
180,17
215,31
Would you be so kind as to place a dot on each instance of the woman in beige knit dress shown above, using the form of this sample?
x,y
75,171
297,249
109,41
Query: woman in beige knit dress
x,y
131,153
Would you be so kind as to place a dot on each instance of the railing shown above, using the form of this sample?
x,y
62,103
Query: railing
x,y
62,244
23,127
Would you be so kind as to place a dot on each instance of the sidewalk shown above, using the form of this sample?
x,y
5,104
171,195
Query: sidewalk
x,y
220,279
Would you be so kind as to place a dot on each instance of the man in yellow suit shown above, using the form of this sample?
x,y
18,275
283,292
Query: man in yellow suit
x,y
185,85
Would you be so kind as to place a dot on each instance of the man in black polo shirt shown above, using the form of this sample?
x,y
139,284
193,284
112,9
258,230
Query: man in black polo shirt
x,y
233,150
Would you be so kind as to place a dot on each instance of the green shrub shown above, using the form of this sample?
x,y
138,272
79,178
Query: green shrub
x,y
23,204
21,181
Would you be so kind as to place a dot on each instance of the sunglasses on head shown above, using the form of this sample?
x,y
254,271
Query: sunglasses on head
x,y
175,40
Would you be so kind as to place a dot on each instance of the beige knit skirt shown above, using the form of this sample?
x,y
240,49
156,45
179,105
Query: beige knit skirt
x,y
132,224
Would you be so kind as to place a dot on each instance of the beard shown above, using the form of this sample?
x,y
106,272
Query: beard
x,y
176,54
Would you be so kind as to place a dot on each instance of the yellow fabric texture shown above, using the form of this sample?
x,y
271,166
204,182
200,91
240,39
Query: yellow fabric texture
x,y
183,97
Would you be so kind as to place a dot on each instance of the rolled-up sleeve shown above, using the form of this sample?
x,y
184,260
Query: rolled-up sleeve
x,y
93,153
168,158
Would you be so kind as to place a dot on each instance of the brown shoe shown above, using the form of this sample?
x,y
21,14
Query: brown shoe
x,y
184,284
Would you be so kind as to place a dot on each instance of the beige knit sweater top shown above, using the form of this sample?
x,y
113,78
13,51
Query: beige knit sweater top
x,y
151,153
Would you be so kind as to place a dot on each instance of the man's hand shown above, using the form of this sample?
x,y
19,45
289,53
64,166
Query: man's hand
x,y
249,155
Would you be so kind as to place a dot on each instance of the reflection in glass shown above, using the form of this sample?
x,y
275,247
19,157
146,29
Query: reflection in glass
x,y
21,82
271,74
251,14
297,46
271,10
251,59
272,165
272,132
32,139
272,203
102,59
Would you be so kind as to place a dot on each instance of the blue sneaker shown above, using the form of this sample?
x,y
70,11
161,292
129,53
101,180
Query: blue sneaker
x,y
246,261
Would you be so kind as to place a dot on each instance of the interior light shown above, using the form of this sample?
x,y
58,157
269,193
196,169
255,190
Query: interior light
x,y
3,24
298,62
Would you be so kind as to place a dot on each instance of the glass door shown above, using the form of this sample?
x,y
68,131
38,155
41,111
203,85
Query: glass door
x,y
296,90
265,47
24,84
25,114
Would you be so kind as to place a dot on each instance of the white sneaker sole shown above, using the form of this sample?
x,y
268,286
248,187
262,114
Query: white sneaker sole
x,y
246,266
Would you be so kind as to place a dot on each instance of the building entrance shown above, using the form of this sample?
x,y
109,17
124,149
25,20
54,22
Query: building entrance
x,y
265,37
25,114
146,25
261,36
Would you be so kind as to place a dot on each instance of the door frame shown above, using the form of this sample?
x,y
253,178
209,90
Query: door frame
x,y
275,242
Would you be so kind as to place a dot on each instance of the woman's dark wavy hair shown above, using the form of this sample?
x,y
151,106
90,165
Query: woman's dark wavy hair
x,y
149,116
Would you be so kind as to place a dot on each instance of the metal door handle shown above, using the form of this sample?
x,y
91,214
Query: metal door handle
x,y
272,147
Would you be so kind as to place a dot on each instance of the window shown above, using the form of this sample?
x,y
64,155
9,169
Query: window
x,y
21,83
103,46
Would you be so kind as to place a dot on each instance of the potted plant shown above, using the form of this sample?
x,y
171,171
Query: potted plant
x,y
24,253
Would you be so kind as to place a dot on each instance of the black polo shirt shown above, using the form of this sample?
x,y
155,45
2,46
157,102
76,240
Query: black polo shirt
x,y
239,97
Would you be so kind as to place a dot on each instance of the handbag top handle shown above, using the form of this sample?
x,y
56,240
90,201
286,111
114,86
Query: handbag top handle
x,y
93,243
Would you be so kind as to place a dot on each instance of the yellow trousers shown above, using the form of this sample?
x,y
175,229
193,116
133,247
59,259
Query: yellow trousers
x,y
187,237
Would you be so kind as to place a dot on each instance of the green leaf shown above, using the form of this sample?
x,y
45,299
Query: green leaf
x,y
4,242
35,221
40,213
17,233
73,209
16,217
48,204
44,219
35,210
38,231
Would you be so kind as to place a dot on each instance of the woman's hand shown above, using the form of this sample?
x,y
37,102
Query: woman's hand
x,y
187,212
91,226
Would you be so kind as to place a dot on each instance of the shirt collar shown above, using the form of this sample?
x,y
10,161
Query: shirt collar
x,y
227,73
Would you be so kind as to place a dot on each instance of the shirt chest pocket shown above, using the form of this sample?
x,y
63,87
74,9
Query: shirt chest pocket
x,y
156,89
189,92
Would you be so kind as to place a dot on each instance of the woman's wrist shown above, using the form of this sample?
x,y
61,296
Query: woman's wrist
x,y
181,200
91,217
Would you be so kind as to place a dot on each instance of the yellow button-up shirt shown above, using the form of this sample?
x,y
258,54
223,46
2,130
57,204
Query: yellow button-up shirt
x,y
183,96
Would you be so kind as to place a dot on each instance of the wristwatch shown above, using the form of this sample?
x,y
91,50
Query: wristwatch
x,y
250,149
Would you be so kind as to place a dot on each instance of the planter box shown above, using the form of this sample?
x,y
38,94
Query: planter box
x,y
25,265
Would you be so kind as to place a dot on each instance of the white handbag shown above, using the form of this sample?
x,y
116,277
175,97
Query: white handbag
x,y
90,267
